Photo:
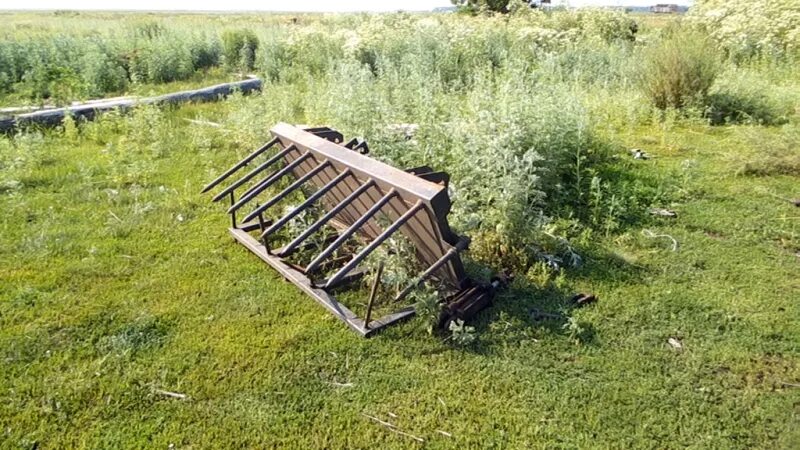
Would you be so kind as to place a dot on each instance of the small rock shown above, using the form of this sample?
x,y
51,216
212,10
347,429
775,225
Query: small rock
x,y
583,299
663,212
675,343
408,130
552,261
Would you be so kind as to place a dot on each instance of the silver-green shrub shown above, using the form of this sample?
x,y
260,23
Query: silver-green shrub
x,y
747,28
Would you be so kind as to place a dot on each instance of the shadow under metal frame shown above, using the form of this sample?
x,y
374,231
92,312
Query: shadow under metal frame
x,y
351,188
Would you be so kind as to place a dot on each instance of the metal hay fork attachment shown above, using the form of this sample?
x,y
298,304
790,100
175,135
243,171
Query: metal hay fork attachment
x,y
352,191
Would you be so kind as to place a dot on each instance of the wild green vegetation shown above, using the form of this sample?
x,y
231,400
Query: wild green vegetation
x,y
118,281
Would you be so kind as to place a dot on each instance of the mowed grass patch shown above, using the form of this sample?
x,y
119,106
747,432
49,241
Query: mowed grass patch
x,y
120,281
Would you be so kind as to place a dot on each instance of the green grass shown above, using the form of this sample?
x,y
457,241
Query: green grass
x,y
119,279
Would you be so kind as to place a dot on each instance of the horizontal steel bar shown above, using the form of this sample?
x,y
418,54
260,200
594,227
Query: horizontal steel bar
x,y
308,202
254,172
374,244
269,182
239,165
324,219
314,264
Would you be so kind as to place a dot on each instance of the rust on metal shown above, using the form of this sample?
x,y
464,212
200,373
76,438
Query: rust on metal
x,y
364,201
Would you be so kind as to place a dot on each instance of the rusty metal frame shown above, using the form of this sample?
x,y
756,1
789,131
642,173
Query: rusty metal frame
x,y
352,189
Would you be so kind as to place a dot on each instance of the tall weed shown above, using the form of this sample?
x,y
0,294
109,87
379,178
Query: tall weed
x,y
741,96
239,48
679,71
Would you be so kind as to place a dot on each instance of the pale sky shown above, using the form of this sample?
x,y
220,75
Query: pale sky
x,y
273,5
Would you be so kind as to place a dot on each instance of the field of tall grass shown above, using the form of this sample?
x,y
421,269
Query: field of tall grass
x,y
119,282
523,96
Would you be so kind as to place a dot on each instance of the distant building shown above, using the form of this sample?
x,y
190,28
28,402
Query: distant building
x,y
665,8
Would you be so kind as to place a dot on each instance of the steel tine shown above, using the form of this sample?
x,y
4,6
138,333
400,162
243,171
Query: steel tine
x,y
450,254
239,165
291,188
258,184
259,187
374,244
310,200
372,294
254,172
314,264
269,182
324,219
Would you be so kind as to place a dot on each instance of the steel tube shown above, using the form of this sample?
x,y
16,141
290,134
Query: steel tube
x,y
372,294
257,185
239,165
254,172
460,245
291,188
314,264
233,216
314,197
374,244
269,182
324,219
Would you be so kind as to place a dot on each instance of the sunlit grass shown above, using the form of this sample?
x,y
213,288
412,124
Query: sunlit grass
x,y
129,318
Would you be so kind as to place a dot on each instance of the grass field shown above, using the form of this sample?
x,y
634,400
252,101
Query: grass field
x,y
119,281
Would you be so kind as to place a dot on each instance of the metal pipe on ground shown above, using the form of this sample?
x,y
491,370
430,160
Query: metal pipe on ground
x,y
88,111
